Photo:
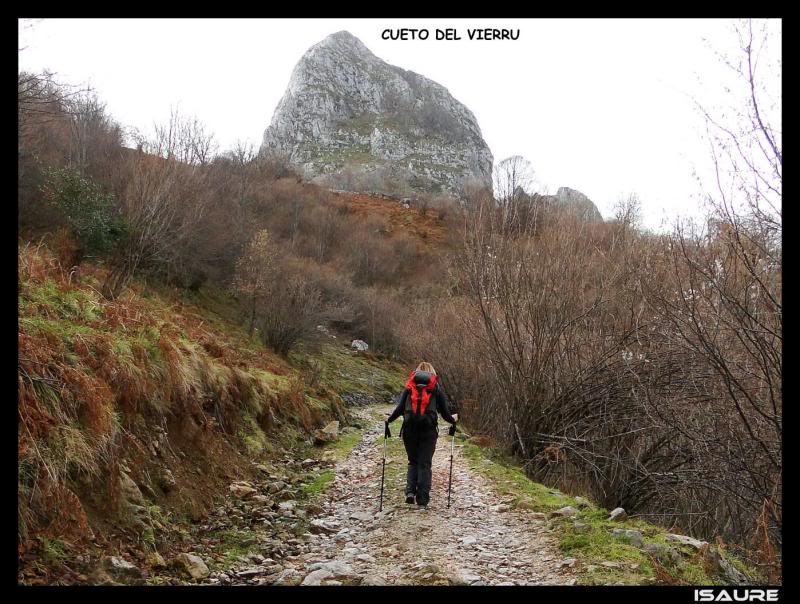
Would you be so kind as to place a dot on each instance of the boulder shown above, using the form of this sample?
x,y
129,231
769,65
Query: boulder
x,y
316,577
723,567
155,560
336,568
167,480
373,580
129,490
249,573
664,554
618,514
321,526
359,345
328,434
192,565
100,576
133,510
276,486
119,567
564,512
631,536
686,540
242,490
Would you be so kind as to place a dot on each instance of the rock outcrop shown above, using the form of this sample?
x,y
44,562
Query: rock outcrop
x,y
349,120
570,200
327,434
578,203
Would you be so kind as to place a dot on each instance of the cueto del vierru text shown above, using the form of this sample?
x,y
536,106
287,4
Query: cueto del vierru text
x,y
450,34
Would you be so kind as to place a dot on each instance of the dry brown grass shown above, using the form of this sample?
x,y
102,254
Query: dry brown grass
x,y
426,227
91,370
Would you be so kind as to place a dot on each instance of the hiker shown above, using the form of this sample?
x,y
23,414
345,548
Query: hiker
x,y
422,398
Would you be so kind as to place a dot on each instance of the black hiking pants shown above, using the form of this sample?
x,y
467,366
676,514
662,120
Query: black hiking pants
x,y
420,445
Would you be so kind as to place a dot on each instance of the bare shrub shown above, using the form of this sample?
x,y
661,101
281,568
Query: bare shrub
x,y
443,206
290,314
369,255
323,227
380,319
163,200
645,370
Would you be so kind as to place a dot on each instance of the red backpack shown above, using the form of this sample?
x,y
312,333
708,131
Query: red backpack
x,y
417,404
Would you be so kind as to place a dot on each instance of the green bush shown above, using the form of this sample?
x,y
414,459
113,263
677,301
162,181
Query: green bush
x,y
91,213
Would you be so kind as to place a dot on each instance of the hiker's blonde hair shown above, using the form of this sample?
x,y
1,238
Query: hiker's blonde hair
x,y
426,367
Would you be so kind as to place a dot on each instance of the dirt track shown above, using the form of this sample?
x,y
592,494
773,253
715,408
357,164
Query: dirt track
x,y
478,540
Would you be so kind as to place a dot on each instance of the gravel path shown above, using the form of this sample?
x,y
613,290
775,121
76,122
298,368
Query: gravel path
x,y
477,541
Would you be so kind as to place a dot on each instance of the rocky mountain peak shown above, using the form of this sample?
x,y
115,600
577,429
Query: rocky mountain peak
x,y
349,120
344,39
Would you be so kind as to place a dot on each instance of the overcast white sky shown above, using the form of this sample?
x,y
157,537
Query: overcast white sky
x,y
599,105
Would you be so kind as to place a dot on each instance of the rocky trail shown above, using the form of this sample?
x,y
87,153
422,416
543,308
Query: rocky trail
x,y
339,537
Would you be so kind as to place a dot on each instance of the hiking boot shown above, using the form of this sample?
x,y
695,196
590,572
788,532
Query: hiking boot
x,y
410,498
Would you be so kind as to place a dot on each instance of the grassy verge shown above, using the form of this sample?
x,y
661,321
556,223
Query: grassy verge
x,y
603,558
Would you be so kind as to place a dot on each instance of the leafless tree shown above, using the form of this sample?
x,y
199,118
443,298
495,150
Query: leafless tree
x,y
164,199
515,187
512,176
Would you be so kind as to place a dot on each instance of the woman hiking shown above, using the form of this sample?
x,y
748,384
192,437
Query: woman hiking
x,y
422,398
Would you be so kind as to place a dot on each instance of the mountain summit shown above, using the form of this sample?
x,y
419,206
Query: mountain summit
x,y
349,120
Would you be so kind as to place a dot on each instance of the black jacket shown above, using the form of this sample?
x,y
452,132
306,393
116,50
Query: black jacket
x,y
438,396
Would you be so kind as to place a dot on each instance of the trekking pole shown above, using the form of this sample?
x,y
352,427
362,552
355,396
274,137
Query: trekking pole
x,y
452,446
386,434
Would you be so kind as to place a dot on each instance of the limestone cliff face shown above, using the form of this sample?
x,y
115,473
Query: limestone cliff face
x,y
352,121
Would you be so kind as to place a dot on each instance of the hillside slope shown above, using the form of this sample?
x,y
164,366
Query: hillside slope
x,y
135,414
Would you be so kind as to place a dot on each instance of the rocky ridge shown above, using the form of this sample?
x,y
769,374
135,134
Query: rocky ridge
x,y
577,202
